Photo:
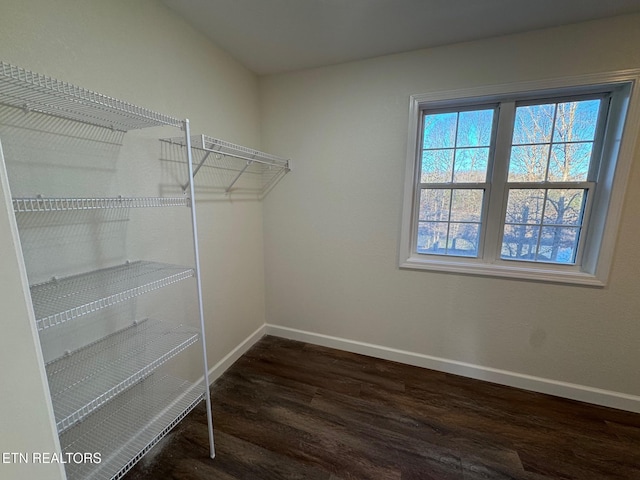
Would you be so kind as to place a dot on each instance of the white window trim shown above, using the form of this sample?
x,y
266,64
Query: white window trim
x,y
596,268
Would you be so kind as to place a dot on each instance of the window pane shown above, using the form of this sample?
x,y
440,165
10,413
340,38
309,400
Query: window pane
x,y
463,239
466,205
456,148
471,165
432,237
569,162
525,221
520,242
440,130
434,204
449,221
564,207
474,128
437,166
525,206
533,124
558,244
576,121
569,157
528,163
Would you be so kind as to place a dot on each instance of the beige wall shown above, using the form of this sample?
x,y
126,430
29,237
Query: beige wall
x,y
140,52
332,226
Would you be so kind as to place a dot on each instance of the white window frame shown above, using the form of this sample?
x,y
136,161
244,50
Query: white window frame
x,y
597,246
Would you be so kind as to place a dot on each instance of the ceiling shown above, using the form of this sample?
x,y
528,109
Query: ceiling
x,y
272,36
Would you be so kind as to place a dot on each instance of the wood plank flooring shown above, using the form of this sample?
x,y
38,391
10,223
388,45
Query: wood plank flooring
x,y
290,410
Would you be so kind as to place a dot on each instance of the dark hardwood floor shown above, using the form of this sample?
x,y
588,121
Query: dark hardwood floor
x,y
290,410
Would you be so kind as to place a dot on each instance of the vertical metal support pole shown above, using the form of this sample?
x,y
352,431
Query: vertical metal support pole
x,y
194,223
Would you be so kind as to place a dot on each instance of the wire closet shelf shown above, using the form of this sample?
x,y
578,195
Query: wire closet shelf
x,y
238,161
42,204
60,300
130,425
106,368
39,93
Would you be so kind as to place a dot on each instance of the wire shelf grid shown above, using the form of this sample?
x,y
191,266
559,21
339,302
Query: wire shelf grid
x,y
223,147
60,300
129,426
267,169
31,91
41,204
86,379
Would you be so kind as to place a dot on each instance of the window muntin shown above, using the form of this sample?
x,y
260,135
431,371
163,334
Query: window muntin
x,y
455,153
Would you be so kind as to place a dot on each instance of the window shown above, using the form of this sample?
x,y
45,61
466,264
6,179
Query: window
x,y
526,183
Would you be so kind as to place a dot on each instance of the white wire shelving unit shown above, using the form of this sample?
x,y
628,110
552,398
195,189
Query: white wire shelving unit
x,y
260,170
108,397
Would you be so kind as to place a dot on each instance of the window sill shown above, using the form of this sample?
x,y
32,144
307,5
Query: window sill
x,y
532,272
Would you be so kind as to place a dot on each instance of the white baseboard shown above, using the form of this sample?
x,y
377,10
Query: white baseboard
x,y
219,368
572,391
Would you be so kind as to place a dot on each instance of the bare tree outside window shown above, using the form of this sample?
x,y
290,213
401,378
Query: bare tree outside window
x,y
550,162
455,157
